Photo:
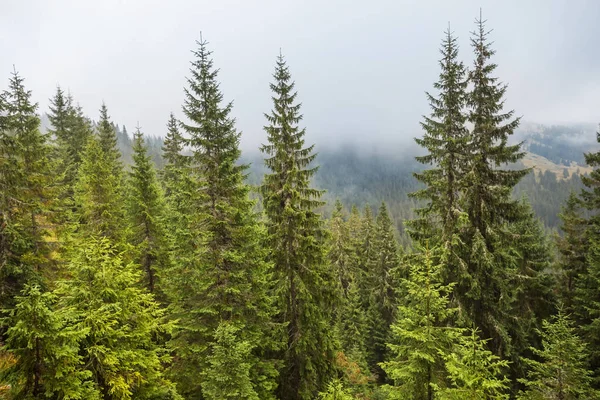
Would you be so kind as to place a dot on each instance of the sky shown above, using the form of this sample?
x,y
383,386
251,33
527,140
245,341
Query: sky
x,y
361,67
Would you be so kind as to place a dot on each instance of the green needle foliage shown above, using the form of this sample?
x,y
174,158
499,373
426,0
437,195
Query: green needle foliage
x,y
306,288
27,195
474,372
46,350
559,370
226,277
147,215
119,320
420,337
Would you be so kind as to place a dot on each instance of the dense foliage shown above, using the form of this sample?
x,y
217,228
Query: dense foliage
x,y
137,268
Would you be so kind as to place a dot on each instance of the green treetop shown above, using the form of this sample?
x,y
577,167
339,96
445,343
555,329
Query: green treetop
x,y
146,210
559,370
306,288
227,278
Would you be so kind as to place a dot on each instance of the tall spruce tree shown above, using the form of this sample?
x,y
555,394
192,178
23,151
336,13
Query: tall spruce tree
x,y
340,252
99,195
107,138
473,371
119,320
71,131
444,139
572,248
383,279
484,291
27,194
46,350
306,288
228,280
146,210
559,370
420,337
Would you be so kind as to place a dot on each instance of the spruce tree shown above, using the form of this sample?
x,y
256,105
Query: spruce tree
x,y
339,250
71,131
382,280
305,287
45,348
27,194
473,371
420,337
444,139
228,279
99,195
230,364
107,138
587,305
119,321
147,212
559,369
484,291
572,249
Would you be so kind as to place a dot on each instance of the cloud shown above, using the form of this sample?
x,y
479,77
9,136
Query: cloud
x,y
361,68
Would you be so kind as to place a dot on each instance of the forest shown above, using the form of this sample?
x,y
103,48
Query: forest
x,y
174,270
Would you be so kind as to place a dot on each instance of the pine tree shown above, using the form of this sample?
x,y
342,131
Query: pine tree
x,y
27,194
420,337
147,213
572,248
230,364
559,370
107,138
587,305
587,299
383,278
119,320
228,279
46,351
474,372
99,195
484,291
306,288
339,251
71,131
335,391
445,139
532,285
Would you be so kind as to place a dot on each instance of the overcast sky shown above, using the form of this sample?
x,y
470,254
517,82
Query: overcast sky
x,y
361,67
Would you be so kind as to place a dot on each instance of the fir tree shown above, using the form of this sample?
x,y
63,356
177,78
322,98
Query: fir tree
x,y
339,251
27,194
228,279
484,291
46,351
382,280
445,139
474,372
559,370
587,305
420,338
119,320
228,376
71,131
572,249
99,195
306,288
147,213
107,138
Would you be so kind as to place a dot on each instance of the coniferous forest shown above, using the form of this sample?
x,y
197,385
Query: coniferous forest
x,y
126,277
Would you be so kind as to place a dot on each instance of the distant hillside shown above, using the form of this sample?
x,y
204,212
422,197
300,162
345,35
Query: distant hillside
x,y
356,177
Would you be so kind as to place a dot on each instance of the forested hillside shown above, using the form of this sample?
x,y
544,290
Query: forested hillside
x,y
139,268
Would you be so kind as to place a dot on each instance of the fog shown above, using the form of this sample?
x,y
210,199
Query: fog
x,y
361,68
